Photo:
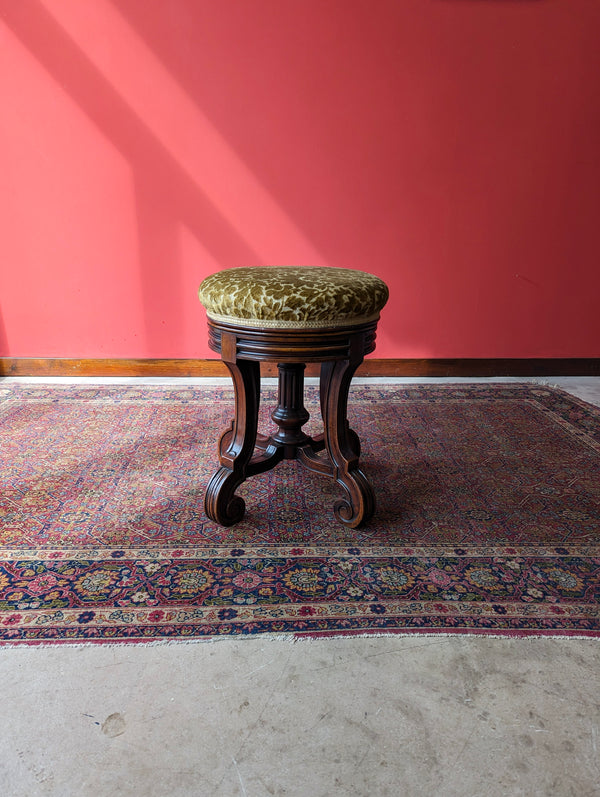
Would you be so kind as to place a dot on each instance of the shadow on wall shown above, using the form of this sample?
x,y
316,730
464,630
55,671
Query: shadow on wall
x,y
185,174
313,98
165,194
300,93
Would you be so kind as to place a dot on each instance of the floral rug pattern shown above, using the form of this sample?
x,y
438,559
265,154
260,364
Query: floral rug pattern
x,y
488,518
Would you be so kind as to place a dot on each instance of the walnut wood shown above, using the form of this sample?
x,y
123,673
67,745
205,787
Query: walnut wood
x,y
243,452
65,366
236,446
290,414
292,345
342,444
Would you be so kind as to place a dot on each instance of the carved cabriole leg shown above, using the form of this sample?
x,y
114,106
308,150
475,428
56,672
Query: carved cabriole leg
x,y
353,438
342,443
236,445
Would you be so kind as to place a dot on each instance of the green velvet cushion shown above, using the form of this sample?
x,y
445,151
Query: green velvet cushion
x,y
293,296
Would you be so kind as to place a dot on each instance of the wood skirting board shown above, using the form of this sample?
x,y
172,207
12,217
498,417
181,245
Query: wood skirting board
x,y
52,366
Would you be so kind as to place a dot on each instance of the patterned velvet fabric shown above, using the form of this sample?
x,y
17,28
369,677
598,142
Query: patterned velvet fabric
x,y
293,296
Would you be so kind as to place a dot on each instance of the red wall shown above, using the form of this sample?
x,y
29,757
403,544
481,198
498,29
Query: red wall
x,y
450,146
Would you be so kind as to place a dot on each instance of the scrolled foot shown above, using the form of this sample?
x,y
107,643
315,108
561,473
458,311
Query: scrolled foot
x,y
220,502
359,505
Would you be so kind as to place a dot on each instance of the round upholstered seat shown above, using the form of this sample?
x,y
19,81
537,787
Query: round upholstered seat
x,y
293,297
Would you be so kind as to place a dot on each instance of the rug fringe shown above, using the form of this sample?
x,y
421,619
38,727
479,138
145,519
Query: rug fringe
x,y
294,638
146,643
450,634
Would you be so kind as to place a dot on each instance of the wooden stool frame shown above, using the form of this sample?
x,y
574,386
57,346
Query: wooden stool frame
x,y
243,452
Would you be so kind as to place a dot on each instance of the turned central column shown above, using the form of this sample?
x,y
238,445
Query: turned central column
x,y
290,414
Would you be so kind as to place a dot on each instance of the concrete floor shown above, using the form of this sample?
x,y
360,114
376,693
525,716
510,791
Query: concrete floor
x,y
396,715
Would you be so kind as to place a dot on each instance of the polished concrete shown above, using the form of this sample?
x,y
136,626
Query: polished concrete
x,y
395,715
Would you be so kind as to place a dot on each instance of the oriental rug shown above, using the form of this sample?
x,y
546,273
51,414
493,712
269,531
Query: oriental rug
x,y
488,518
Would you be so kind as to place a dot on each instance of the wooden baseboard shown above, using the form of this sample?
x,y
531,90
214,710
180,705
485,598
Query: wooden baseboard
x,y
45,366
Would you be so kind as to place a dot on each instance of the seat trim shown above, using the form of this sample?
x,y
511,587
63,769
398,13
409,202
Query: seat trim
x,y
274,324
